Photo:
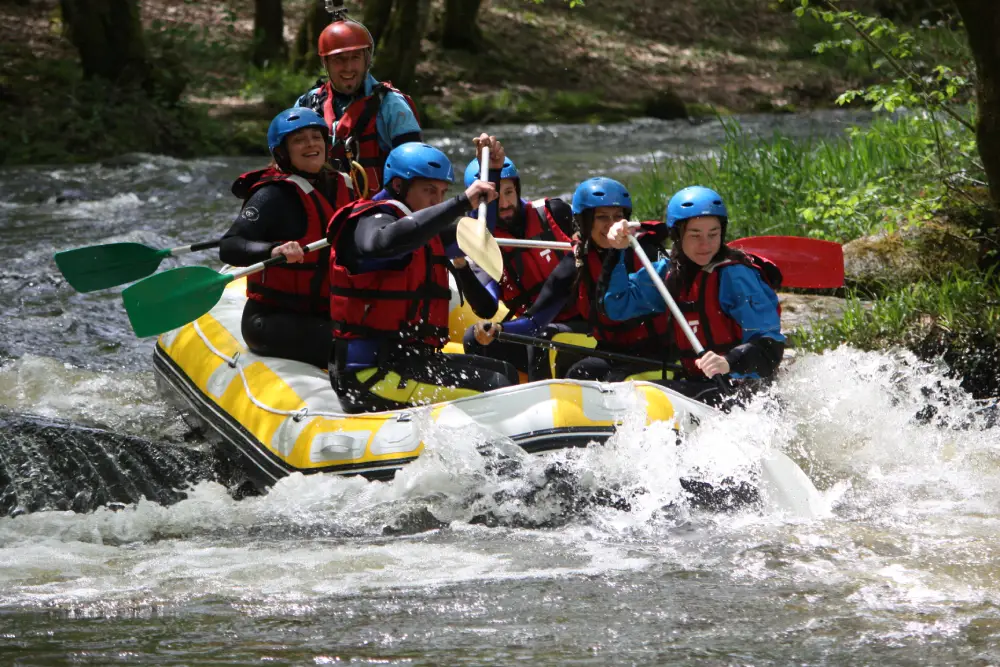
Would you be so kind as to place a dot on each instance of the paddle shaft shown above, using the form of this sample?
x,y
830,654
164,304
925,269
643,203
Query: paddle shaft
x,y
588,351
529,243
484,175
274,261
194,247
665,293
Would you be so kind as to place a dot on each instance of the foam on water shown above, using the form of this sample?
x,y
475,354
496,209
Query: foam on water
x,y
122,402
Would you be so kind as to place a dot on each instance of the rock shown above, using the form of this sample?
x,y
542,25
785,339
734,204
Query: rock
x,y
927,250
801,311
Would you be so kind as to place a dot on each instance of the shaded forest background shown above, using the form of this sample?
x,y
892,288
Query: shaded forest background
x,y
84,79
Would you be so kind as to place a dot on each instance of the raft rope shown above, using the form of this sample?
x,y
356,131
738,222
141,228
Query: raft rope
x,y
233,362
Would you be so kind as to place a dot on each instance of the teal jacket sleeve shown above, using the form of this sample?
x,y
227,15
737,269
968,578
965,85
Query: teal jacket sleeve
x,y
633,295
395,119
745,297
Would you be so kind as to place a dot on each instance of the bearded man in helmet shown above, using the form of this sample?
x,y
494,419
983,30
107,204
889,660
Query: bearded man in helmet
x,y
367,118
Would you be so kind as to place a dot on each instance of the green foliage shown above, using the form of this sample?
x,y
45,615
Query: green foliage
x,y
279,86
867,181
530,107
929,73
961,301
81,121
572,3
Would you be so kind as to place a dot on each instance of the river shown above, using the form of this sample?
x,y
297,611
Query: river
x,y
900,569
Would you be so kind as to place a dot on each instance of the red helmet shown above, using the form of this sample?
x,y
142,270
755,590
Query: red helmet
x,y
343,36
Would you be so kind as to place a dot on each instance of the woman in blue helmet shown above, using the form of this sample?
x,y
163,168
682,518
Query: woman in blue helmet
x,y
725,294
286,207
390,295
580,279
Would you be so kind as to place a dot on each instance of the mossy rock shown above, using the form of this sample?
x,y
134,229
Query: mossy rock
x,y
928,250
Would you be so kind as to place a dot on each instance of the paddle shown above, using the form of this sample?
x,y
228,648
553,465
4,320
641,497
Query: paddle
x,y
804,263
474,238
588,351
173,298
102,266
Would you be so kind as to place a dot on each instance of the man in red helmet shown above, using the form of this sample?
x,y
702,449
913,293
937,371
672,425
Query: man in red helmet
x,y
367,118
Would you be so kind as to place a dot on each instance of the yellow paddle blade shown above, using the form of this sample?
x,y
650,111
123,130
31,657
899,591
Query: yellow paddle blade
x,y
480,246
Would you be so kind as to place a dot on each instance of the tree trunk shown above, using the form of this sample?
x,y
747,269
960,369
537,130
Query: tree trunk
x,y
982,24
268,33
376,17
396,58
108,36
305,56
460,30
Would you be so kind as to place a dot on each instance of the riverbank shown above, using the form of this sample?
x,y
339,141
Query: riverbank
x,y
604,62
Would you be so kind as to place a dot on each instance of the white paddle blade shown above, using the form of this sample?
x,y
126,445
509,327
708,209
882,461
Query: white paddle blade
x,y
787,489
480,246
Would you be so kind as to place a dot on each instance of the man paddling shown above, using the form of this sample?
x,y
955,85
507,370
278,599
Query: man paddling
x,y
390,295
525,270
367,118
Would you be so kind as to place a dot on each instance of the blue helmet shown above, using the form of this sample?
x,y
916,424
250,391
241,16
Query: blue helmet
x,y
293,120
694,201
508,171
601,191
416,160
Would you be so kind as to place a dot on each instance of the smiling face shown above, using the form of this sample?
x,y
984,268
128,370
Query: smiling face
x,y
307,150
423,193
701,239
347,70
508,199
604,217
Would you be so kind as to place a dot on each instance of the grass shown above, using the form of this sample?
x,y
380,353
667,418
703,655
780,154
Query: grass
x,y
961,301
879,178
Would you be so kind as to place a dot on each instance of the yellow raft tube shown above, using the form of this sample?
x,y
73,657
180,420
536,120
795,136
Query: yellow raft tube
x,y
281,416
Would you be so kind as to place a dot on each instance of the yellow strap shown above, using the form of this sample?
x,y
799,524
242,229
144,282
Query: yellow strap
x,y
582,340
413,392
657,374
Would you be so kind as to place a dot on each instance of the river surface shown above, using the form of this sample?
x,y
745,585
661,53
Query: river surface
x,y
901,568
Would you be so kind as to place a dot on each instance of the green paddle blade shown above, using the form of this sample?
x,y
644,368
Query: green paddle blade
x,y
103,266
173,298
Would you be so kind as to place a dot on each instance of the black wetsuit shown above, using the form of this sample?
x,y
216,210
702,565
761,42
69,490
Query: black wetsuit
x,y
370,375
272,216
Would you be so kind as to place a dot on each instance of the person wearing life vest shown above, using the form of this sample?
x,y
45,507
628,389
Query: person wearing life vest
x,y
367,118
580,277
525,269
286,207
727,297
390,294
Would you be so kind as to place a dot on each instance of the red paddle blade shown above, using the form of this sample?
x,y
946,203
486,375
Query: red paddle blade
x,y
805,263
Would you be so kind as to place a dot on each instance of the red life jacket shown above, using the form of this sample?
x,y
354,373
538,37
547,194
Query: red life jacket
x,y
303,287
699,302
357,129
408,305
648,332
525,269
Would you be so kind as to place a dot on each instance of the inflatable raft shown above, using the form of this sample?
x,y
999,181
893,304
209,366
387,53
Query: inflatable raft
x,y
280,416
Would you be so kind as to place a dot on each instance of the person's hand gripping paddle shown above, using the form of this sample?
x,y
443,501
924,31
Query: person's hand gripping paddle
x,y
474,238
